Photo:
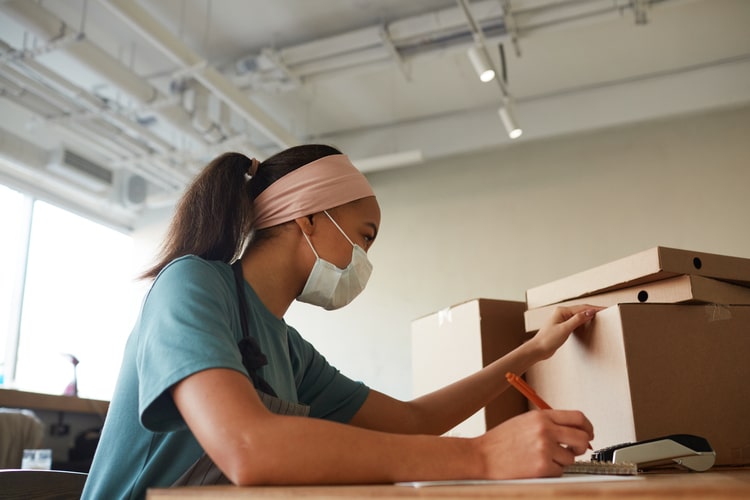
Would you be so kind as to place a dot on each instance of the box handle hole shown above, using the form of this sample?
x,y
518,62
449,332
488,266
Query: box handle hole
x,y
697,262
642,296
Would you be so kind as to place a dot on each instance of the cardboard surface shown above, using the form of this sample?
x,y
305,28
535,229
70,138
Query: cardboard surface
x,y
641,371
460,340
650,265
682,289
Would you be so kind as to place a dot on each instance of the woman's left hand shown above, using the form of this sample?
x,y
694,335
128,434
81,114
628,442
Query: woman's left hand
x,y
560,325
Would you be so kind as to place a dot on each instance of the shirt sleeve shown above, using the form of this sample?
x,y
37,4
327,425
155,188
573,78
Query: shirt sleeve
x,y
330,394
187,325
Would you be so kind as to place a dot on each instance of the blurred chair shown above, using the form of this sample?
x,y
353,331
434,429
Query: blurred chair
x,y
19,430
23,484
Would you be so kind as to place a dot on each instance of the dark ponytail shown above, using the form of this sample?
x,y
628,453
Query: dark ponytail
x,y
214,217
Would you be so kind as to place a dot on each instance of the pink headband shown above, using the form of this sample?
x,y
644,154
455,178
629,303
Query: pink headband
x,y
319,185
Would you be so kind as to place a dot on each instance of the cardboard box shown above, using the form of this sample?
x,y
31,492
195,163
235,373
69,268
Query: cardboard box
x,y
460,340
641,371
682,289
651,265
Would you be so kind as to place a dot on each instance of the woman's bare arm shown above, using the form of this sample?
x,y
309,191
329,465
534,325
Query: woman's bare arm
x,y
253,446
441,410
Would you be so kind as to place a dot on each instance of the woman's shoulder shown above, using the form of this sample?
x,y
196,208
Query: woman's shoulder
x,y
192,264
298,344
191,269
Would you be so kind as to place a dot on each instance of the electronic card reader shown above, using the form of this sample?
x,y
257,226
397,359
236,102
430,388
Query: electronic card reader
x,y
686,450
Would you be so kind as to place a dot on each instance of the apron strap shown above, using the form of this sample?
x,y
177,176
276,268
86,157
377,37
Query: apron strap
x,y
252,355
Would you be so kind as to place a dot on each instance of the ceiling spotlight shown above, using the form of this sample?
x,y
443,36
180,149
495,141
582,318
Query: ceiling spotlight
x,y
509,121
481,63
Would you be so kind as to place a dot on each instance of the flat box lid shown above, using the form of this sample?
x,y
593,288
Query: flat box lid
x,y
681,289
650,265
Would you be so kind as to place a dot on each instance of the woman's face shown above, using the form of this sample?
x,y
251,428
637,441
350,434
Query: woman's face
x,y
359,220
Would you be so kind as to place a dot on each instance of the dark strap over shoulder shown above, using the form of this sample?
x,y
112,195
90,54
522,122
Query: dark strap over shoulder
x,y
252,356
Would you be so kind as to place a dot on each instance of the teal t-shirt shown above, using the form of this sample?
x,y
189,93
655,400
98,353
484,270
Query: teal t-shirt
x,y
190,322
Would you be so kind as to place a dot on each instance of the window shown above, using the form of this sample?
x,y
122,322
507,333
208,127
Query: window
x,y
14,223
79,298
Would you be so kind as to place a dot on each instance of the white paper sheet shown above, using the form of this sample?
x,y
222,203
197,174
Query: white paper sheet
x,y
566,478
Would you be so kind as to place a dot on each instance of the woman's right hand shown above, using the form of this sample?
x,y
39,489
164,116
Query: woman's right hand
x,y
538,443
559,326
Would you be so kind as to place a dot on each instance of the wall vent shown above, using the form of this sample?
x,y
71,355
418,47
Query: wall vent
x,y
80,170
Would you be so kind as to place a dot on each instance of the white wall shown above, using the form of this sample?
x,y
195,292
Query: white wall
x,y
494,224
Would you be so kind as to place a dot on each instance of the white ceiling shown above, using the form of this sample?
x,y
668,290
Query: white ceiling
x,y
151,90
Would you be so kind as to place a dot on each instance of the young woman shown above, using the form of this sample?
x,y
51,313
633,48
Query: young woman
x,y
216,387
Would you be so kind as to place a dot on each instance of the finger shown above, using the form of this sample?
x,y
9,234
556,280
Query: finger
x,y
563,456
564,313
573,419
573,437
576,441
580,318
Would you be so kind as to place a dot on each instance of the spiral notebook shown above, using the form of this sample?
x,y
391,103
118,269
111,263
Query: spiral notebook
x,y
609,468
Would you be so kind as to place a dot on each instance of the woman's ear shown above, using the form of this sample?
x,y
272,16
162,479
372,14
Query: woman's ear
x,y
306,224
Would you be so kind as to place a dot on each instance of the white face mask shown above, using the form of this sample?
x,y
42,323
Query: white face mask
x,y
330,287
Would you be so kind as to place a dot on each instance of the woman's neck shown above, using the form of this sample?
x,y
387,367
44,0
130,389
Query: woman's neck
x,y
273,275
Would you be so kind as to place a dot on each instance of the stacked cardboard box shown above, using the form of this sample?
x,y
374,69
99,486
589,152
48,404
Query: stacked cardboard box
x,y
460,340
669,355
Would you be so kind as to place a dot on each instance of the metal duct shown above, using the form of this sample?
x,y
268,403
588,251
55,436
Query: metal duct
x,y
48,27
214,81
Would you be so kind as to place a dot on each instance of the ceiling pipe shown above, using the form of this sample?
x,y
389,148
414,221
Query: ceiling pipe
x,y
142,22
148,166
158,169
25,94
113,141
130,154
91,104
23,88
442,24
47,26
27,99
82,113
421,35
